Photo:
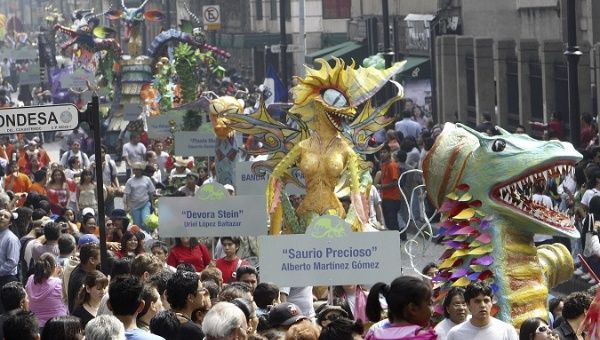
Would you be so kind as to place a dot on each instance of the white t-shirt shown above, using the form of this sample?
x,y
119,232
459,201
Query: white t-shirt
x,y
301,297
543,200
134,153
443,328
137,191
495,330
374,200
587,196
161,161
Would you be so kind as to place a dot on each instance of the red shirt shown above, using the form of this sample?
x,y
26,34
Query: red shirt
x,y
390,172
198,256
229,267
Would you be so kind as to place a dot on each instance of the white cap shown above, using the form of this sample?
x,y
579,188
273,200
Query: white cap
x,y
229,187
88,210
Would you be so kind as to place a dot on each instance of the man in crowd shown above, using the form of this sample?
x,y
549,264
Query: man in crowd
x,y
89,256
21,325
126,303
479,299
133,151
186,294
13,297
408,126
138,194
50,244
247,274
574,311
225,321
390,193
75,152
9,251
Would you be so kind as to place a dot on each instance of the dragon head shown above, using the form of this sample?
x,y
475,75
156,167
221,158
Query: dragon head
x,y
501,172
134,16
336,92
218,110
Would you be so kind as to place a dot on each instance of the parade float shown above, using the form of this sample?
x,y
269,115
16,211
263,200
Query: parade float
x,y
482,186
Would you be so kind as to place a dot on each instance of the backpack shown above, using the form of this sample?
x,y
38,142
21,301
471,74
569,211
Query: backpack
x,y
411,332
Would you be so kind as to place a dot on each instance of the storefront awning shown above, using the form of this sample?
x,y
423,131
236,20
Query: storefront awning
x,y
347,51
415,68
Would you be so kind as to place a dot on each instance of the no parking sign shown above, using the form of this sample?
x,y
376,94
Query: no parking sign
x,y
212,17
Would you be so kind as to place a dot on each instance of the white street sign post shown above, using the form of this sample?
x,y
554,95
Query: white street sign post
x,y
39,118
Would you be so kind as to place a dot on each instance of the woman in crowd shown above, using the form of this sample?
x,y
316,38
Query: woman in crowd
x,y
73,224
58,192
86,191
409,310
356,298
89,297
89,225
132,244
63,328
73,171
44,289
455,312
536,329
188,250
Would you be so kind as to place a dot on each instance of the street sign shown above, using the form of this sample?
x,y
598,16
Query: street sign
x,y
39,118
212,17
290,48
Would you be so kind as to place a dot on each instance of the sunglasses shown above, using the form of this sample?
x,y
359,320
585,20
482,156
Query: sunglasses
x,y
333,316
542,329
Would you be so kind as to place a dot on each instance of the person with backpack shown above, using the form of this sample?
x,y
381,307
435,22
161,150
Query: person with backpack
x,y
409,310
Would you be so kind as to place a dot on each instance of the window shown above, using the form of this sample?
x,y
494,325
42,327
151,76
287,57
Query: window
x,y
259,10
336,9
273,9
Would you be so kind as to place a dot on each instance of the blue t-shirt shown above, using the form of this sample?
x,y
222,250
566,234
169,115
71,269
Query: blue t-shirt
x,y
139,334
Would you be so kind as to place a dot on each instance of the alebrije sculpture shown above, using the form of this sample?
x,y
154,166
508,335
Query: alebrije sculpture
x,y
322,140
483,185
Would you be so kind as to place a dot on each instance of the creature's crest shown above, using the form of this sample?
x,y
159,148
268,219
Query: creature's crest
x,y
133,16
338,90
502,172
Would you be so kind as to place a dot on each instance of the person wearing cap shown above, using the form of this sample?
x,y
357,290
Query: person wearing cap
x,y
179,170
328,313
284,315
75,152
230,189
138,194
190,188
133,151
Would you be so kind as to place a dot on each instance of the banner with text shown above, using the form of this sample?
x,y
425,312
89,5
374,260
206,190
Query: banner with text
x,y
160,126
212,213
330,254
248,183
195,143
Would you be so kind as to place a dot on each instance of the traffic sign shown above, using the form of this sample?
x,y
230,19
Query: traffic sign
x,y
290,48
212,17
39,118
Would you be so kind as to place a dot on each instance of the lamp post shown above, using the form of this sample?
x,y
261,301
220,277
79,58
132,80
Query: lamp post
x,y
573,53
388,54
283,51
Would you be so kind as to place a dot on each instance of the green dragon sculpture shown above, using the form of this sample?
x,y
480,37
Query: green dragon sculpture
x,y
482,185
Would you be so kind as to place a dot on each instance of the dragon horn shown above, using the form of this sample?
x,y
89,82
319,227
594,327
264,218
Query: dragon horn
x,y
192,15
123,4
143,4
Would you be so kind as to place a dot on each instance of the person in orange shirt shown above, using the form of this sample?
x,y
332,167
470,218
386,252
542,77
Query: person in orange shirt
x,y
391,199
16,181
40,178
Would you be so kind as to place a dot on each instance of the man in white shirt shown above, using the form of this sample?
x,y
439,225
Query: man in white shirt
x,y
75,152
138,194
408,126
161,160
482,325
133,151
455,312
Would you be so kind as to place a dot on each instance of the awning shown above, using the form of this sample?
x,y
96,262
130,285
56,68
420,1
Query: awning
x,y
347,51
415,68
419,17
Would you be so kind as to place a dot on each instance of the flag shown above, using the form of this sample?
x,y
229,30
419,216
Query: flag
x,y
274,90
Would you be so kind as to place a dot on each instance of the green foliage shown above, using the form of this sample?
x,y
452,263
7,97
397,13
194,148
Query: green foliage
x,y
192,120
187,60
164,85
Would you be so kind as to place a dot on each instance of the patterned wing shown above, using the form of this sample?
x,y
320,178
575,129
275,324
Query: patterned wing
x,y
276,137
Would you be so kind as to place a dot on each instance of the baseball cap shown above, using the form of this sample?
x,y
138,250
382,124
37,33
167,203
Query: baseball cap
x,y
87,239
88,210
229,187
285,314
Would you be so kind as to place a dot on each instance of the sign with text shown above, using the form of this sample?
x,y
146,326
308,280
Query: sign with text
x,y
21,53
160,126
212,213
330,254
212,17
39,118
248,183
30,75
195,143
79,79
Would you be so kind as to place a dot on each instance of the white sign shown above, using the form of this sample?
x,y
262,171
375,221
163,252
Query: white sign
x,y
212,213
248,183
131,111
195,143
329,254
290,48
39,118
22,53
160,126
212,17
79,79
31,75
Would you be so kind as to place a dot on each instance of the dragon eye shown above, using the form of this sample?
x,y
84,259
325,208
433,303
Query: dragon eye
x,y
498,145
334,98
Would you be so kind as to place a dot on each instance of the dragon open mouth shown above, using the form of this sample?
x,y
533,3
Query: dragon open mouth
x,y
517,194
337,119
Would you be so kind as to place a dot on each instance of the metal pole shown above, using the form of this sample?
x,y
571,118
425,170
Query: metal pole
x,y
283,52
168,10
93,118
432,51
572,52
302,31
388,54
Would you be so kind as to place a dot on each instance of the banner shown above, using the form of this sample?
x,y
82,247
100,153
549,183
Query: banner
x,y
160,126
330,254
199,143
212,213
